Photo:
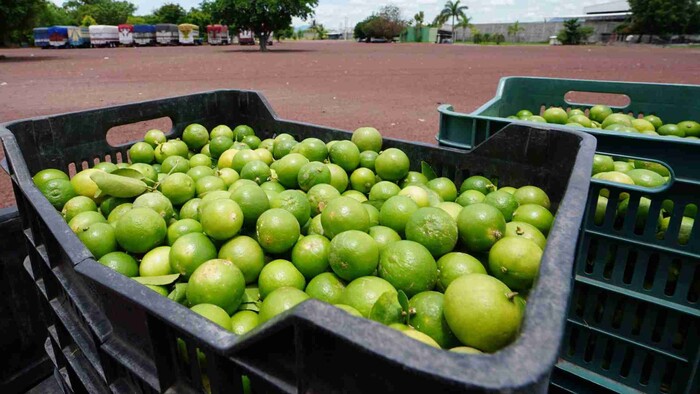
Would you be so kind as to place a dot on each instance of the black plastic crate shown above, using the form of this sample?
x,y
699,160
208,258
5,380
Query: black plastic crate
x,y
21,322
135,331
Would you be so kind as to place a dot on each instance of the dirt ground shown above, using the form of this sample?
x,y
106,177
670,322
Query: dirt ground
x,y
393,87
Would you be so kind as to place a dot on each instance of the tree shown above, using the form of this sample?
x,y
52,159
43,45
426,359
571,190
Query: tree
x,y
287,32
361,27
88,21
454,9
17,17
387,24
136,20
514,30
663,17
170,13
320,31
419,18
199,17
262,16
573,33
440,19
464,24
498,38
106,12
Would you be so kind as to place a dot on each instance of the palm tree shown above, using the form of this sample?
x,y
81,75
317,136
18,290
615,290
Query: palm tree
x,y
419,18
440,19
464,24
454,9
515,29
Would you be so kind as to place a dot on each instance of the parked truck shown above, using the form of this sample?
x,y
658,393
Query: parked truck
x,y
104,36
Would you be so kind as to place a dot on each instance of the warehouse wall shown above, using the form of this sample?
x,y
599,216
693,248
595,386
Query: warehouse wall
x,y
536,31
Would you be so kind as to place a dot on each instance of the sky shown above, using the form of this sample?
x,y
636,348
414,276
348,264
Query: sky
x,y
333,13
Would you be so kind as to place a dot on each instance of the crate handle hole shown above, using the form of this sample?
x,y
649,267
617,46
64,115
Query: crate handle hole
x,y
132,132
575,97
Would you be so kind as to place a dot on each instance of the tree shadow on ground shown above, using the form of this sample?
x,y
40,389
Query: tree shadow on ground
x,y
269,50
18,59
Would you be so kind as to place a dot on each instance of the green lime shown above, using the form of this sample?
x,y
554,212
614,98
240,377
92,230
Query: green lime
x,y
313,149
225,160
219,145
246,254
469,197
383,236
453,265
313,173
277,274
253,202
182,227
429,319
478,183
408,266
178,188
535,215
77,205
362,180
433,228
384,190
315,226
363,292
414,177
200,160
555,115
140,230
516,262
106,166
368,158
118,212
277,230
189,252
108,205
120,262
287,169
295,202
243,322
242,131
505,202
347,308
58,192
208,184
619,119
218,282
310,255
156,262
221,130
355,195
452,208
157,202
598,113
602,163
646,178
396,212
213,313
671,130
280,300
141,152
327,287
523,113
367,139
48,174
392,165
256,171
283,148
353,254
343,214
190,209
527,231
480,226
198,172
221,219
482,312
345,154
83,220
99,239
319,196
532,195
339,178
444,187
154,137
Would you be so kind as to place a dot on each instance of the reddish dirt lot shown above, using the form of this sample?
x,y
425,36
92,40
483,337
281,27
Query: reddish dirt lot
x,y
394,87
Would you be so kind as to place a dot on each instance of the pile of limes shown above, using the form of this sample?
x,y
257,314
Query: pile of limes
x,y
241,230
644,174
602,117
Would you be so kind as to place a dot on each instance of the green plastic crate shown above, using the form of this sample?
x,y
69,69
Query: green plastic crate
x,y
672,103
634,318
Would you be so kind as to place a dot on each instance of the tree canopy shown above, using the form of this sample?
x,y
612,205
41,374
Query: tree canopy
x,y
262,17
387,24
665,17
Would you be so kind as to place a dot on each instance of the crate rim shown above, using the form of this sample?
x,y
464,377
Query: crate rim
x,y
456,368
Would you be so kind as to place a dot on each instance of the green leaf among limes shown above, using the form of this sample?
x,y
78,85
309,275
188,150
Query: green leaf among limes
x,y
161,280
427,170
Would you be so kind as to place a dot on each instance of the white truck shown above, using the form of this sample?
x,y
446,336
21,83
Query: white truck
x,y
104,36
